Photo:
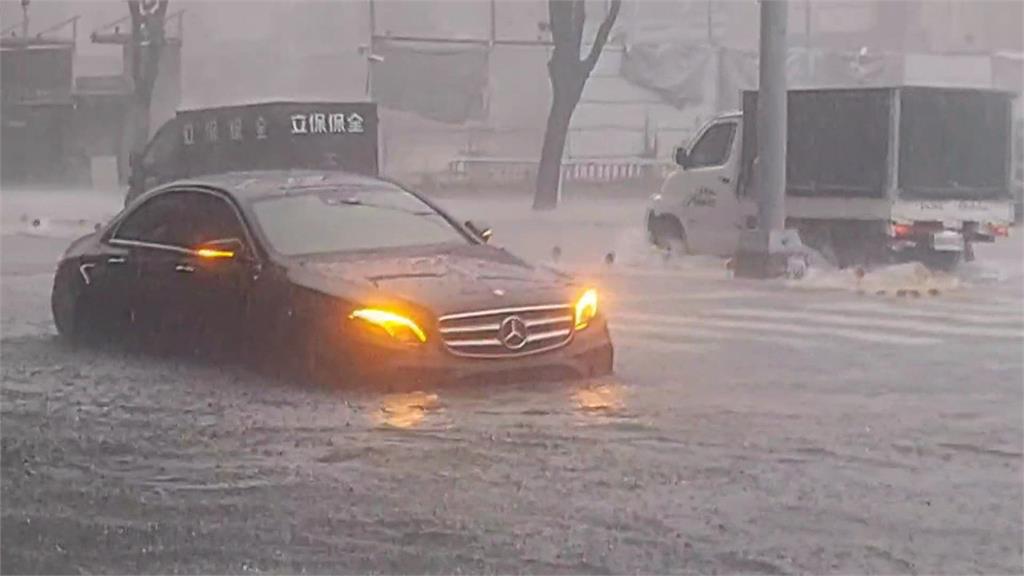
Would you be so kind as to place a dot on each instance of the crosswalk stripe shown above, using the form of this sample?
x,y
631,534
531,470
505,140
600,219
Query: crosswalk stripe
x,y
682,296
1010,317
1000,306
899,324
627,342
674,333
777,327
684,273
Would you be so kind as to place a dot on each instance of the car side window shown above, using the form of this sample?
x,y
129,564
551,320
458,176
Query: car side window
x,y
157,221
713,147
211,218
184,219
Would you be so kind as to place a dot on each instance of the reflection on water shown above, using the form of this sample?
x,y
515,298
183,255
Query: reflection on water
x,y
607,398
405,410
602,399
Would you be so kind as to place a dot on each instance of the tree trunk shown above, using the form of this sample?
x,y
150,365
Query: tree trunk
x,y
568,75
549,170
147,43
140,124
563,103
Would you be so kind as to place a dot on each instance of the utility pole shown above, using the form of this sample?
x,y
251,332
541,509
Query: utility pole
x,y
771,117
763,253
24,18
711,34
367,49
807,40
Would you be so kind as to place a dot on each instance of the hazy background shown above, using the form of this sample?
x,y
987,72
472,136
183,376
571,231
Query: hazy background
x,y
238,51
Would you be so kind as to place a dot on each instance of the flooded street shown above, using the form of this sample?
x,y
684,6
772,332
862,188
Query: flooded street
x,y
767,427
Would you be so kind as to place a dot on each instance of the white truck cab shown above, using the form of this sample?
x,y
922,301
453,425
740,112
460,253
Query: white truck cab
x,y
873,174
701,195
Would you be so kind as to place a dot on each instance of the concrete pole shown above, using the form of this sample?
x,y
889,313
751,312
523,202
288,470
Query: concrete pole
x,y
771,117
370,54
24,18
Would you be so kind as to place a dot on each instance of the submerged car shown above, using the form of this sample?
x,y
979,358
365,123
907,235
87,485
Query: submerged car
x,y
349,276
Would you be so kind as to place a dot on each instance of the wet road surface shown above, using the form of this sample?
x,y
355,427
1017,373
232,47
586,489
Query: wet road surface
x,y
750,427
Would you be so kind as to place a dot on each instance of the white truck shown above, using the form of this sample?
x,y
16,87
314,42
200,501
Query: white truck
x,y
873,174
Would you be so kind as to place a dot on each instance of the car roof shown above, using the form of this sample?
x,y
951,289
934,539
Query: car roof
x,y
255,185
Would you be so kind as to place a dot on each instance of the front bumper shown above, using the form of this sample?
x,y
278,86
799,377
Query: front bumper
x,y
588,354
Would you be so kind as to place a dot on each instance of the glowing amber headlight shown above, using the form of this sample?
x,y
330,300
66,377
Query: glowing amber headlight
x,y
397,326
586,308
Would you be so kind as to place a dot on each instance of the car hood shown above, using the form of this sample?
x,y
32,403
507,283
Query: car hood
x,y
445,279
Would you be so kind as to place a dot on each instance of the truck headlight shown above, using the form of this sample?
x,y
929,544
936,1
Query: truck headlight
x,y
586,308
399,327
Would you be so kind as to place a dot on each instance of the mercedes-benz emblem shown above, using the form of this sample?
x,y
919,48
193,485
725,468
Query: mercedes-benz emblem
x,y
513,333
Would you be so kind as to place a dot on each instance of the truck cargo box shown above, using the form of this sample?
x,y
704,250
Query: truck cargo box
x,y
265,136
279,135
914,142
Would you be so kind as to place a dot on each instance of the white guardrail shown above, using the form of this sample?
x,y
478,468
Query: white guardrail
x,y
508,170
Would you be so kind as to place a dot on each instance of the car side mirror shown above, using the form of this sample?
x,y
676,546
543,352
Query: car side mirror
x,y
226,249
682,157
480,230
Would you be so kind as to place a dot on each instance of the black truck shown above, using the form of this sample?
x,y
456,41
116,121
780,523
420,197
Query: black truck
x,y
265,136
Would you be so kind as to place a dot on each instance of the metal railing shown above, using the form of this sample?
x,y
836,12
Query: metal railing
x,y
596,170
119,31
10,35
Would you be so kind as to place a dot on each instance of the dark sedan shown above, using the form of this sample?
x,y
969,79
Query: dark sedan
x,y
347,276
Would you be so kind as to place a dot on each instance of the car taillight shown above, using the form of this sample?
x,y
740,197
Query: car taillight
x,y
998,230
902,230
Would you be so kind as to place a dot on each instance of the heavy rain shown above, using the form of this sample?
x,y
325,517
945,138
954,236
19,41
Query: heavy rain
x,y
512,286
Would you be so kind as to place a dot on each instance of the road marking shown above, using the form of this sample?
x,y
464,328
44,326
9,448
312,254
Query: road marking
x,y
849,320
682,296
674,333
628,342
1000,306
777,327
1007,317
680,273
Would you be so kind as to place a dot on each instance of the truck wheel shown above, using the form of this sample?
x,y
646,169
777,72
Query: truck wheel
x,y
941,261
667,233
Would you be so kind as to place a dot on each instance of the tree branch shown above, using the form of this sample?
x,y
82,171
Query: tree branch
x,y
158,20
135,11
602,35
560,21
136,14
579,17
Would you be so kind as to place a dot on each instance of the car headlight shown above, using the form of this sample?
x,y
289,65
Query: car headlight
x,y
586,308
399,327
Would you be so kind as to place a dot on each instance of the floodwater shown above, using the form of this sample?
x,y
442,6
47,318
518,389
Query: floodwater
x,y
750,427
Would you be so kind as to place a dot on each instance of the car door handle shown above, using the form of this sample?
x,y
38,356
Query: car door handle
x,y
116,260
724,179
185,268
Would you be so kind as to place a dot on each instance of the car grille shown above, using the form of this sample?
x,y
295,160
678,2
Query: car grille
x,y
480,335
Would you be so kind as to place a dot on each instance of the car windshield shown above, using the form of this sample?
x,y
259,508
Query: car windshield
x,y
349,219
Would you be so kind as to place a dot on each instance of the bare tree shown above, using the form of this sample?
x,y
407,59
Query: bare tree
x,y
568,75
147,42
